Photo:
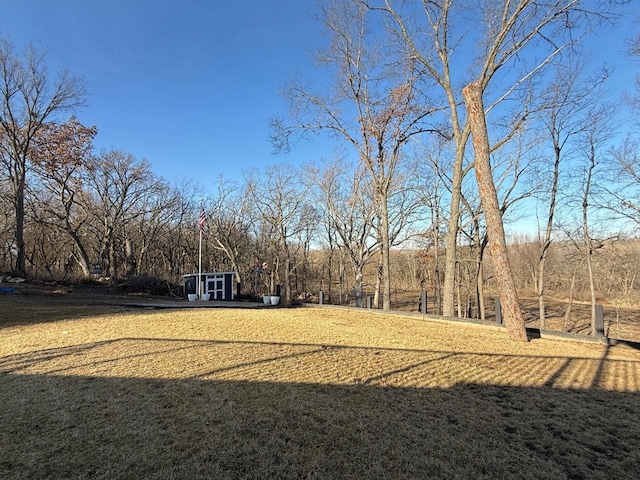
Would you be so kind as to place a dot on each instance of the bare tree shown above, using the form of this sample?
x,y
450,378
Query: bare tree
x,y
623,160
29,99
435,55
121,187
350,209
588,243
228,227
634,53
281,199
509,164
507,30
6,223
565,113
60,154
177,247
513,318
595,134
375,106
623,186
154,221
433,165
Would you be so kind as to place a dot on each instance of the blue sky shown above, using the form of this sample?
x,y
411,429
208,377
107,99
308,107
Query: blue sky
x,y
190,85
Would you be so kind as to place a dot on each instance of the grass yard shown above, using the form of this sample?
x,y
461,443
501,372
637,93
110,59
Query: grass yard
x,y
112,393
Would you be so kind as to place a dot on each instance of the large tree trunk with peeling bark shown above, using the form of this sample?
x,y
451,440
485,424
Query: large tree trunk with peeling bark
x,y
512,314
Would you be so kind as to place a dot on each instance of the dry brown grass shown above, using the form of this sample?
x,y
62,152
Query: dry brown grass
x,y
103,392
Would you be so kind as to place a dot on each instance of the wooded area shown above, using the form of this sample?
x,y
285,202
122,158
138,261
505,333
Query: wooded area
x,y
397,208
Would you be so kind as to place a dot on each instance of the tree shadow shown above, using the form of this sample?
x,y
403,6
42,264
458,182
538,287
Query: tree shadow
x,y
20,309
102,410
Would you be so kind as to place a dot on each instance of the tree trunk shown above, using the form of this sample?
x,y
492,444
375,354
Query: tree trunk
x,y
458,285
376,290
386,260
513,318
341,275
572,287
17,175
19,234
480,280
588,246
113,265
288,294
130,258
546,241
329,270
358,285
540,290
436,267
451,239
82,258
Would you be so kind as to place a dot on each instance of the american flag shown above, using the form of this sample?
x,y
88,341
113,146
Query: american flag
x,y
202,221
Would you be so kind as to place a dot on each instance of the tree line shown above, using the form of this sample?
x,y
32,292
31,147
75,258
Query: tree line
x,y
446,126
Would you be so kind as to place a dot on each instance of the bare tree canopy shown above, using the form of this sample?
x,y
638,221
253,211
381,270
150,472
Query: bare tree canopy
x,y
375,104
30,98
519,39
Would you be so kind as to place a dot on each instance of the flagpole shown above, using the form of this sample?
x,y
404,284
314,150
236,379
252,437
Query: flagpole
x,y
200,264
202,220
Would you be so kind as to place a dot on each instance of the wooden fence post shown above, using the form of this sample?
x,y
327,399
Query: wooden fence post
x,y
423,302
599,321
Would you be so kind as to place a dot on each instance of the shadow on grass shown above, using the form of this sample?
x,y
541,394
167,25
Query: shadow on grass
x,y
18,309
69,427
57,422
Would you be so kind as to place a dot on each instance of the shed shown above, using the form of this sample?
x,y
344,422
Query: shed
x,y
218,284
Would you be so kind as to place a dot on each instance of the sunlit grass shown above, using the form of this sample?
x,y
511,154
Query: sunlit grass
x,y
307,393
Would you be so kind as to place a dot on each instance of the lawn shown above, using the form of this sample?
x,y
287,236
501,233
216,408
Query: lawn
x,y
114,393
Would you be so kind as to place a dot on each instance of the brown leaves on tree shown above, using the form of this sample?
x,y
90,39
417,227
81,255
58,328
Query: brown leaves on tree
x,y
62,144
